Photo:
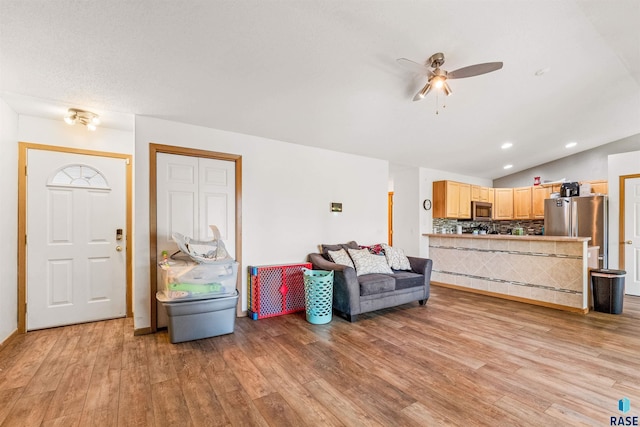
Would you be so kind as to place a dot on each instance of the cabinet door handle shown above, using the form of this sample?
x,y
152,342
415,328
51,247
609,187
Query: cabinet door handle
x,y
628,242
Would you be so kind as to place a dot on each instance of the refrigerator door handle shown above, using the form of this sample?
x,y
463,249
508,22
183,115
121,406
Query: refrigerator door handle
x,y
574,219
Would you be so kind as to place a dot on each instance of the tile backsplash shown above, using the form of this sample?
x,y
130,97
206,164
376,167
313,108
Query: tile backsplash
x,y
531,226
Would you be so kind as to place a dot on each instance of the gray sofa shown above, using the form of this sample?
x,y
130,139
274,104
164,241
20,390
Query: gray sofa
x,y
354,295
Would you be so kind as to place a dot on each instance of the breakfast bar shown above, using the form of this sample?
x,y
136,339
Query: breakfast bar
x,y
551,271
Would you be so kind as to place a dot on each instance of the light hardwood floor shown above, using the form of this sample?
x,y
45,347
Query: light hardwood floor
x,y
463,359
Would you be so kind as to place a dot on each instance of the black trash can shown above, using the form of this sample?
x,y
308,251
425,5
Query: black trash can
x,y
608,290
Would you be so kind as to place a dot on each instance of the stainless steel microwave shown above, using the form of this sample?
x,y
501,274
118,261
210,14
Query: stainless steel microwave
x,y
481,211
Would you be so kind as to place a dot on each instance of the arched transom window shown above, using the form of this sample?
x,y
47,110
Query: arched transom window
x,y
79,176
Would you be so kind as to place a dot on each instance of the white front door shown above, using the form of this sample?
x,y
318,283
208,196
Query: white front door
x,y
76,252
632,235
193,193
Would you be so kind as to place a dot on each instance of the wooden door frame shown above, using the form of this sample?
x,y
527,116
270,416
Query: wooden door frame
x,y
390,217
621,229
23,148
154,149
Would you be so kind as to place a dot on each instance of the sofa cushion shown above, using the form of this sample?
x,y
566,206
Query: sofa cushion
x,y
366,263
371,284
341,257
405,279
396,258
326,248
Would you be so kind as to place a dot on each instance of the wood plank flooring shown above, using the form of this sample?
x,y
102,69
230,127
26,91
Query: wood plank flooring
x,y
462,360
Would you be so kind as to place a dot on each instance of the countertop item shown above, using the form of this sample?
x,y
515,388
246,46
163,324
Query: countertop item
x,y
512,237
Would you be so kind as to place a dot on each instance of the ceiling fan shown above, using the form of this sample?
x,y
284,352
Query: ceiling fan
x,y
437,78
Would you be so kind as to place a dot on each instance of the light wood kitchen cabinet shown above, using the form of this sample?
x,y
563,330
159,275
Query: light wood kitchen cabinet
x,y
522,203
538,196
599,187
451,200
484,195
503,203
491,198
464,209
475,193
480,194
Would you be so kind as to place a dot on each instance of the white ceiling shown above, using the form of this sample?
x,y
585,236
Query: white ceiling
x,y
324,73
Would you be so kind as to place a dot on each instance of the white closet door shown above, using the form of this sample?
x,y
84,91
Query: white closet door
x,y
193,193
217,198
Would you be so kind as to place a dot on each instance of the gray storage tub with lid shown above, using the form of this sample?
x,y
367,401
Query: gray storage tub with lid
x,y
196,319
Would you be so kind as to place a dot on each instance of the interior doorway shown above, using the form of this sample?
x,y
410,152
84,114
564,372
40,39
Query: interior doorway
x,y
156,151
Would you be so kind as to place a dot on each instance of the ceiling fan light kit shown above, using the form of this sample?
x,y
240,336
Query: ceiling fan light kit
x,y
437,78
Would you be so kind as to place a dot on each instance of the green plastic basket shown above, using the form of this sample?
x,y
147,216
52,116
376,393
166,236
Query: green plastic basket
x,y
318,295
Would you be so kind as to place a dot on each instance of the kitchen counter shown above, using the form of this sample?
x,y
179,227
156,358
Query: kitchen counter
x,y
551,271
513,237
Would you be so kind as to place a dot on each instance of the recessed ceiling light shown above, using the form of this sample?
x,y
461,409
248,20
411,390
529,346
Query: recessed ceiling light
x,y
571,145
506,145
508,166
542,71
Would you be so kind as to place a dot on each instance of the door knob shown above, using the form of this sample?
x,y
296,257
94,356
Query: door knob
x,y
628,242
119,248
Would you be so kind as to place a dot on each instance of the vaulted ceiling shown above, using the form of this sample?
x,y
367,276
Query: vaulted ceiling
x,y
324,73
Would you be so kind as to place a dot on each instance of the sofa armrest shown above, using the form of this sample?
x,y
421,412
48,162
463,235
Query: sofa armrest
x,y
422,266
346,289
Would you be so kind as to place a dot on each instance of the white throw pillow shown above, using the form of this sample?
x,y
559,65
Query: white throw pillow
x,y
341,257
396,258
367,263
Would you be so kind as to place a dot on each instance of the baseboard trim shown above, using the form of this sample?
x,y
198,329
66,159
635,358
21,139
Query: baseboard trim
x,y
142,331
7,340
513,298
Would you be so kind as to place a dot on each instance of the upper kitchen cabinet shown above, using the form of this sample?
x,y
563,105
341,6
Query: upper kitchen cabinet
x,y
451,200
599,187
522,203
480,194
475,193
538,195
503,203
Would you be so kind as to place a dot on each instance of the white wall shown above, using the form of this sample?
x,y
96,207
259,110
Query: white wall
x,y
406,215
587,165
427,177
286,194
56,132
8,221
618,165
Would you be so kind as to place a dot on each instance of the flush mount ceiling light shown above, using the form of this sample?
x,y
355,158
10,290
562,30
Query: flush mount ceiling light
x,y
508,166
571,145
87,118
506,145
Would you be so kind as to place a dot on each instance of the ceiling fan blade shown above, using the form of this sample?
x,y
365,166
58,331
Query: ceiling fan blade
x,y
474,70
415,67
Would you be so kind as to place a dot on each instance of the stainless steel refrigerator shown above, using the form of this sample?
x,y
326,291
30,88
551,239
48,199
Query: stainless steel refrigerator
x,y
579,217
